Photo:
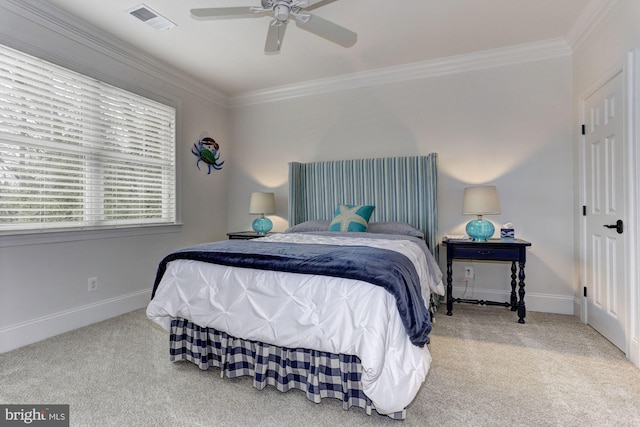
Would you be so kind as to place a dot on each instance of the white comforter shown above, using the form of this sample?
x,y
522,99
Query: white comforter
x,y
307,311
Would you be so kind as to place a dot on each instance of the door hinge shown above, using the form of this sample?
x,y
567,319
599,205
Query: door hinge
x,y
584,129
585,291
584,210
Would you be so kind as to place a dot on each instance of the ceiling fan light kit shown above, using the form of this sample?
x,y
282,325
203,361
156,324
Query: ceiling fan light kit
x,y
281,10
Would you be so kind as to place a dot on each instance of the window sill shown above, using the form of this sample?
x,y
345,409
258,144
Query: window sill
x,y
68,235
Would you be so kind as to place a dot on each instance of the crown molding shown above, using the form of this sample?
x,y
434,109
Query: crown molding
x,y
58,21
587,22
518,54
48,16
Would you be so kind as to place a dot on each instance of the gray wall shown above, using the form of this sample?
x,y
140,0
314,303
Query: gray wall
x,y
43,282
509,126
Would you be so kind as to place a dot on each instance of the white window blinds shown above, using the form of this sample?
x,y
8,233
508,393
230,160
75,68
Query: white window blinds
x,y
76,152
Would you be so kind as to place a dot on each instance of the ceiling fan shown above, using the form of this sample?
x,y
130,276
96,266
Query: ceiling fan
x,y
282,10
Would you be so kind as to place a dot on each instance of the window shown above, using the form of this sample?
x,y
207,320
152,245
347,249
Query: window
x,y
78,153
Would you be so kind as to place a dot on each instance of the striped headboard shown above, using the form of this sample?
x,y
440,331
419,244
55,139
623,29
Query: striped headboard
x,y
401,188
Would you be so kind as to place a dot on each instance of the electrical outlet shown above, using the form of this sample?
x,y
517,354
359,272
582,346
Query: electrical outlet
x,y
468,272
92,284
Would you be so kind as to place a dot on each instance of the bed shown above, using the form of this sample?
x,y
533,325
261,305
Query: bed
x,y
294,309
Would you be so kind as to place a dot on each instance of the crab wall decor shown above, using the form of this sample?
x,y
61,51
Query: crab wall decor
x,y
207,151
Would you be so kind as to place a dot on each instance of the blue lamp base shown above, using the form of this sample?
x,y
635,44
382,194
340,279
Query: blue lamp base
x,y
480,229
262,225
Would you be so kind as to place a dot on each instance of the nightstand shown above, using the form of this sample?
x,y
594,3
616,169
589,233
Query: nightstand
x,y
492,250
245,235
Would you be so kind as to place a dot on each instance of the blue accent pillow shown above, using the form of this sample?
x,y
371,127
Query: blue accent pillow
x,y
351,218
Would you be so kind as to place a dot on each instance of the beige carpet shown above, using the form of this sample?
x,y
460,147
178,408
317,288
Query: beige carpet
x,y
488,370
553,371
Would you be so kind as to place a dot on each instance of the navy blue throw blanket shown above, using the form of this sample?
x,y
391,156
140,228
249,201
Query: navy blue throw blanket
x,y
382,267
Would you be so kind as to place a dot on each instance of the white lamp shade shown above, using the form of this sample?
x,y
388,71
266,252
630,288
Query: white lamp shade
x,y
481,200
262,203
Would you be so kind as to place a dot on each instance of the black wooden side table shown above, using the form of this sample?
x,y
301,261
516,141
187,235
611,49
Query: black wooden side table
x,y
492,250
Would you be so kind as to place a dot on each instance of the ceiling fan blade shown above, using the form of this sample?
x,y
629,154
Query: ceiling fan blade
x,y
224,13
275,36
328,30
314,4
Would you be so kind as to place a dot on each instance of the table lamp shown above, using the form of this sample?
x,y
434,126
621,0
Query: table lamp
x,y
480,200
260,204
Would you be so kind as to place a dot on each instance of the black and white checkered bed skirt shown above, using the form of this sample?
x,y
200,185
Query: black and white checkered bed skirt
x,y
319,374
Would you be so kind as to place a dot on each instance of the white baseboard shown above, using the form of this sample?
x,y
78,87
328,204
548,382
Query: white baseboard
x,y
24,333
634,352
580,308
546,303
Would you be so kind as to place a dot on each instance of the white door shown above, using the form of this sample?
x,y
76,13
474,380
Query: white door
x,y
605,205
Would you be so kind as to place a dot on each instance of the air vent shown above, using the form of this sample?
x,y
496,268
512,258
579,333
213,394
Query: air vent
x,y
148,16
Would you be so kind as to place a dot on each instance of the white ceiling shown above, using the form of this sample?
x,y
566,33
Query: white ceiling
x,y
228,54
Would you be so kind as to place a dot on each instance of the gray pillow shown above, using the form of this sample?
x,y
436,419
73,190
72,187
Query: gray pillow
x,y
307,226
402,228
386,227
